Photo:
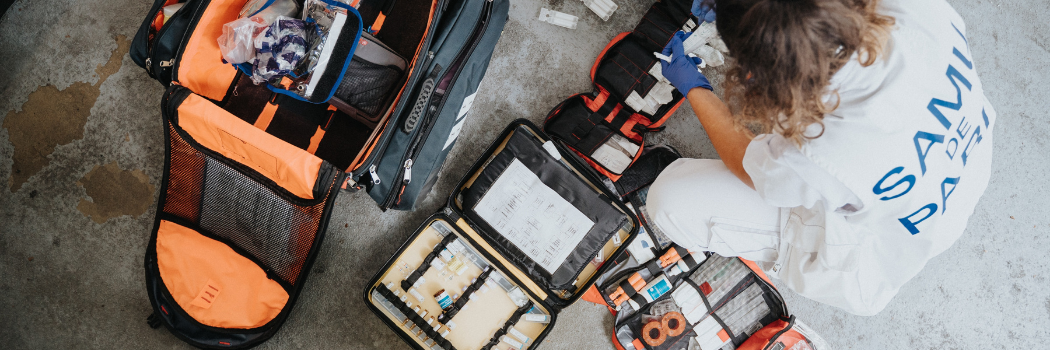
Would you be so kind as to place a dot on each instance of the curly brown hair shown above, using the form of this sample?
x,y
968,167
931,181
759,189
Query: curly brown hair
x,y
785,53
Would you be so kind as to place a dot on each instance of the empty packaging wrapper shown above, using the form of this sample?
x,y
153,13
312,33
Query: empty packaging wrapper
x,y
558,18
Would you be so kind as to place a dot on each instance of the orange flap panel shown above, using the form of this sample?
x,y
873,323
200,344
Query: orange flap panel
x,y
290,167
212,283
201,68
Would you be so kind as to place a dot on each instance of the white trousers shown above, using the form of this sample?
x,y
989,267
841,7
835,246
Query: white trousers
x,y
702,206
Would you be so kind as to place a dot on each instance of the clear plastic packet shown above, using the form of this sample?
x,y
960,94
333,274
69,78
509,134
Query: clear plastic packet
x,y
269,13
237,41
278,50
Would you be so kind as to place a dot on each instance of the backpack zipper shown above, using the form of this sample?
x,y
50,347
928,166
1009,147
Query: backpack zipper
x,y
417,143
189,28
378,154
384,136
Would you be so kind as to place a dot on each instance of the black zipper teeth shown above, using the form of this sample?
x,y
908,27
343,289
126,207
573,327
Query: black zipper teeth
x,y
384,136
420,139
156,37
189,29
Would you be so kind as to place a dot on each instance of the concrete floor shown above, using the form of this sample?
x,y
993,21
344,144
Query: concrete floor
x,y
81,149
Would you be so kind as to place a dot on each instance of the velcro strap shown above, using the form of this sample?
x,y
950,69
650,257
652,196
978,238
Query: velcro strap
x,y
638,298
628,289
409,281
654,267
414,317
506,326
458,305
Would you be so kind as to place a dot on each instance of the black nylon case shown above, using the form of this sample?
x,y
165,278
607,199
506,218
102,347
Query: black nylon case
x,y
571,178
583,122
165,310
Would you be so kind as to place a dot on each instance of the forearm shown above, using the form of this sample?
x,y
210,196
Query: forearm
x,y
729,142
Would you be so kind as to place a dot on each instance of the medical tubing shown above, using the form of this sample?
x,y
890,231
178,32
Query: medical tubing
x,y
451,312
425,265
414,317
506,326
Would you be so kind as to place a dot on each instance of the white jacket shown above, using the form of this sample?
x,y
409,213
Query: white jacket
x,y
901,164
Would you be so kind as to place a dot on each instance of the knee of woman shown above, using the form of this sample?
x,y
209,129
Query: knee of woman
x,y
680,181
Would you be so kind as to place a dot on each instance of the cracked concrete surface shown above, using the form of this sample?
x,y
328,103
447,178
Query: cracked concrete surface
x,y
69,281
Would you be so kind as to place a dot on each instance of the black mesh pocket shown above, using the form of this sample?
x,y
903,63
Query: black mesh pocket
x,y
368,86
276,232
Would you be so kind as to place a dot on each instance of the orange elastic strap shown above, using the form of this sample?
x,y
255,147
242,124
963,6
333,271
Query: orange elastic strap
x,y
378,24
266,116
598,101
615,111
315,140
637,343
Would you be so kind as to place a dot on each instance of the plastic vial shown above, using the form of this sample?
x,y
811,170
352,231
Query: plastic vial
x,y
602,8
558,18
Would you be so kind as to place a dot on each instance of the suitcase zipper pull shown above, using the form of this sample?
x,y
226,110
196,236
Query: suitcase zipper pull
x,y
372,173
167,63
408,172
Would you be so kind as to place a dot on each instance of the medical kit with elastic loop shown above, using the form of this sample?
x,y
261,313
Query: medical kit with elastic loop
x,y
667,298
252,170
606,127
523,235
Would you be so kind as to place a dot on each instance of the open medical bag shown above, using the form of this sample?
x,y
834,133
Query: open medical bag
x,y
666,298
525,233
240,219
606,127
251,172
396,107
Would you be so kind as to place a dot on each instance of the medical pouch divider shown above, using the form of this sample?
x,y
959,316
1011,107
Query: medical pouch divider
x,y
525,233
320,84
722,303
606,127
240,219
404,119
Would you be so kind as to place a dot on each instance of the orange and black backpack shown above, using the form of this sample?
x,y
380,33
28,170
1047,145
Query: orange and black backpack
x,y
251,172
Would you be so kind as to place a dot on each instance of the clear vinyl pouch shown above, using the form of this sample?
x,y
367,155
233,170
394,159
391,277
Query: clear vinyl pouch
x,y
331,31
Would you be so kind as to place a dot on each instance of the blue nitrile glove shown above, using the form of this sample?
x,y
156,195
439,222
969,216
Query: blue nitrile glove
x,y
703,10
682,71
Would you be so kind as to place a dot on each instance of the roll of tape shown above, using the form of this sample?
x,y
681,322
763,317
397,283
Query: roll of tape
x,y
653,333
673,323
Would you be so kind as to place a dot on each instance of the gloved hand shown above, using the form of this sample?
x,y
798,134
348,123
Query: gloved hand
x,y
682,71
704,10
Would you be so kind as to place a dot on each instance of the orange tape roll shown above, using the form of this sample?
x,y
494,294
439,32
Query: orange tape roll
x,y
673,323
653,333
